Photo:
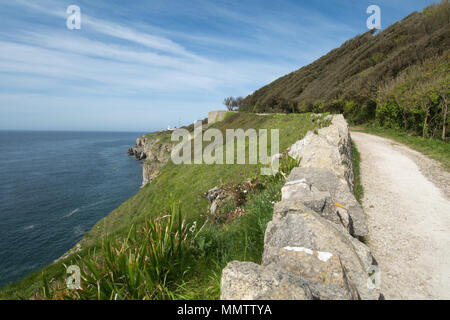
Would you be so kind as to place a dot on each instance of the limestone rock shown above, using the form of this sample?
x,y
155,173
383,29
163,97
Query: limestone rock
x,y
249,281
215,196
309,195
154,154
323,291
340,204
329,149
321,269
283,208
309,230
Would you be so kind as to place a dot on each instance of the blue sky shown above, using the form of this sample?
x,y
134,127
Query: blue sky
x,y
144,65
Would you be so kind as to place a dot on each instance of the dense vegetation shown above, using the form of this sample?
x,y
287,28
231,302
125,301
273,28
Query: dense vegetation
x,y
398,77
152,248
417,100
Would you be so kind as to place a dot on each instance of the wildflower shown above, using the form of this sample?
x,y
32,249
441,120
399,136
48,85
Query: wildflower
x,y
194,226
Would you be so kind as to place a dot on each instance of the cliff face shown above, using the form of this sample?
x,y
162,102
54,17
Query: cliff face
x,y
154,151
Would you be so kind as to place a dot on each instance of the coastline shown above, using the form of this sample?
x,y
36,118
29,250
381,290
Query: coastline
x,y
72,180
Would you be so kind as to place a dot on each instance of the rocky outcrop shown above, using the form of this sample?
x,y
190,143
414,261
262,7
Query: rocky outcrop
x,y
215,196
138,150
237,193
154,153
311,247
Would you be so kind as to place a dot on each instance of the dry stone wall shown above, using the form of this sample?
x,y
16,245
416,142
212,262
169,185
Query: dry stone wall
x,y
312,247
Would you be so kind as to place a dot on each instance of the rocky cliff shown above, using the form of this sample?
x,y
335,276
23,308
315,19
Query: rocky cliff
x,y
312,248
154,150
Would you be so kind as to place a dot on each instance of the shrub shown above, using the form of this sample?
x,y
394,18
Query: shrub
x,y
337,106
318,107
365,112
388,115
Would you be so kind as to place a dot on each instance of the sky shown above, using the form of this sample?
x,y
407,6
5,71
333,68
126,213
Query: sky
x,y
144,65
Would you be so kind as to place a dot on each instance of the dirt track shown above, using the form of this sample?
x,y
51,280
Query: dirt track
x,y
406,198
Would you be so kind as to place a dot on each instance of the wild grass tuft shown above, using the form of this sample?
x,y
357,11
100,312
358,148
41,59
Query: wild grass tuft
x,y
147,264
358,189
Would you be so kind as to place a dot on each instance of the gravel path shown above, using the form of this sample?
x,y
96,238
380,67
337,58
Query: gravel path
x,y
407,201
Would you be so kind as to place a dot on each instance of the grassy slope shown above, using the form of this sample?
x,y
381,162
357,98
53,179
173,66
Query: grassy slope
x,y
358,189
433,148
187,183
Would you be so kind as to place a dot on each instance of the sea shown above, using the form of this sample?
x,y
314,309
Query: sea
x,y
54,186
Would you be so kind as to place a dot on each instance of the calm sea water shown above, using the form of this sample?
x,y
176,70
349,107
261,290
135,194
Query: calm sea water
x,y
54,186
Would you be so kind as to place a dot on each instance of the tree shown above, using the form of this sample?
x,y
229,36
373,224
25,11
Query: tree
x,y
233,103
238,103
228,102
444,116
444,93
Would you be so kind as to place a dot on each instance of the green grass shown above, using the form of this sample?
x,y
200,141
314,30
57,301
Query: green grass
x,y
241,240
436,149
186,184
146,264
167,258
358,188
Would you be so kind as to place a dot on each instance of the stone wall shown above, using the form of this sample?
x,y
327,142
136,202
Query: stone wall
x,y
311,247
216,116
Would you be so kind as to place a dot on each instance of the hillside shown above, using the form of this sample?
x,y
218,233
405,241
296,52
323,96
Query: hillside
x,y
234,231
355,71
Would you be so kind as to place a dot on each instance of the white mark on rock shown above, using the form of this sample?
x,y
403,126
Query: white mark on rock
x,y
323,256
299,249
295,182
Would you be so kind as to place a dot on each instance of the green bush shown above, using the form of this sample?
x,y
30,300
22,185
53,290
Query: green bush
x,y
318,107
336,106
388,115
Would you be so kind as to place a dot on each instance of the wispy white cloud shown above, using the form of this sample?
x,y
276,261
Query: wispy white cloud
x,y
112,29
182,61
128,69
